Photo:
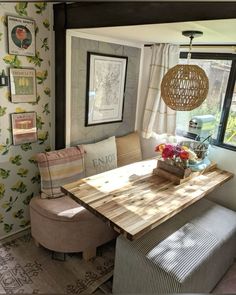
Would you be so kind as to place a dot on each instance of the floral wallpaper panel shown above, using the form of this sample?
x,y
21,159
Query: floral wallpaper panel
x,y
19,175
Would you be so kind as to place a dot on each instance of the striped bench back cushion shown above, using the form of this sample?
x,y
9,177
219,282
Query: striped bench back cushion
x,y
58,168
128,149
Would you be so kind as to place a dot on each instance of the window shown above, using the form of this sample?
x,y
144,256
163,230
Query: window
x,y
217,115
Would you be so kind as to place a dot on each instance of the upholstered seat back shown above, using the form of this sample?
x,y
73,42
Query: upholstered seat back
x,y
67,165
128,149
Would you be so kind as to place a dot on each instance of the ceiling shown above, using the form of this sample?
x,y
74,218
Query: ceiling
x,y
214,32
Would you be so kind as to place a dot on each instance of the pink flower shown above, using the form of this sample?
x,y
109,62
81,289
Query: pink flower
x,y
168,152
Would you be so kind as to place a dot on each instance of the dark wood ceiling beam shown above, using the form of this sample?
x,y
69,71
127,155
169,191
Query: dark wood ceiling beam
x,y
103,14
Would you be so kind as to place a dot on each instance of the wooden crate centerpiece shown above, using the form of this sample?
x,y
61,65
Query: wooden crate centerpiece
x,y
176,170
174,173
174,162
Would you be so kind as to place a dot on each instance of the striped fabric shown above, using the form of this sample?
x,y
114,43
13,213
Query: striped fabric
x,y
157,117
128,149
58,168
186,254
183,251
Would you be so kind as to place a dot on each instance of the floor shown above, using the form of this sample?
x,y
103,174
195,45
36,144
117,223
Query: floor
x,y
228,283
27,269
36,272
105,288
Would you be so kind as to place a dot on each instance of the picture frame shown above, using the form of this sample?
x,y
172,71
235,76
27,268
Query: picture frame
x,y
24,129
23,85
105,89
21,36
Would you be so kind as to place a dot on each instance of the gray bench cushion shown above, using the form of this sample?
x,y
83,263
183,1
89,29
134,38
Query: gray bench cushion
x,y
183,251
188,253
216,219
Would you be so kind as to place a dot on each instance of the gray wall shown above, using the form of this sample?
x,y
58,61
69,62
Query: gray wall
x,y
79,49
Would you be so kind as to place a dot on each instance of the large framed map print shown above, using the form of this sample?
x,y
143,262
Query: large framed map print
x,y
106,77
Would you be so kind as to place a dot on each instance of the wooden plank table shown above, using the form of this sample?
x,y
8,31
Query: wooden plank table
x,y
132,200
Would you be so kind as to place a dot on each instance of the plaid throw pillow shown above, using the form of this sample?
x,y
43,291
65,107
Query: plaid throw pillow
x,y
58,168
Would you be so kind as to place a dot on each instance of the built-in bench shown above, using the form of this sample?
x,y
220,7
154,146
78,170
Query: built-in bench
x,y
62,225
187,254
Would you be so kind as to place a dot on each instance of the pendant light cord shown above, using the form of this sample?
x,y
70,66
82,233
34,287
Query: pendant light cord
x,y
190,48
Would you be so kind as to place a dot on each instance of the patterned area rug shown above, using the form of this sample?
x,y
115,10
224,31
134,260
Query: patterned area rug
x,y
24,268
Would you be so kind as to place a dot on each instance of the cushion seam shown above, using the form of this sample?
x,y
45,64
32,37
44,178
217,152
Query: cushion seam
x,y
58,220
49,174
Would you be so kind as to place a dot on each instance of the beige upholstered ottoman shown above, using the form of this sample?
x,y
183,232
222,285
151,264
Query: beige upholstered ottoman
x,y
62,225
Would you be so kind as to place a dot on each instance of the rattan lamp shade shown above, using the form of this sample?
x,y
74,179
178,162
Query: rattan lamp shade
x,y
184,87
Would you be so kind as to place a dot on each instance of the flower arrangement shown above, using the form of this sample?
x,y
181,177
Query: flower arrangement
x,y
176,155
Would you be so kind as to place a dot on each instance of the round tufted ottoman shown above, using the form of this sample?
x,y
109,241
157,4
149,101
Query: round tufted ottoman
x,y
62,225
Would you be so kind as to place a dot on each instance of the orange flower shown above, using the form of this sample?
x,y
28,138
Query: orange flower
x,y
160,148
184,155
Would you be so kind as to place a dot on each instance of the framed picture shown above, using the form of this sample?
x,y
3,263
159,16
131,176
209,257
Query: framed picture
x,y
23,85
24,128
106,77
21,36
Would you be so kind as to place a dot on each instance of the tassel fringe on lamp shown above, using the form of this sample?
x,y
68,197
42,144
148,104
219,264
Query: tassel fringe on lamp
x,y
185,87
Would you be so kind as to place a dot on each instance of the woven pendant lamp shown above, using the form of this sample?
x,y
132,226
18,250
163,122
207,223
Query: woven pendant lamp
x,y
184,87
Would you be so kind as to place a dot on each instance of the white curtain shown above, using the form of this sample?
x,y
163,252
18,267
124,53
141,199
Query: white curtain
x,y
158,118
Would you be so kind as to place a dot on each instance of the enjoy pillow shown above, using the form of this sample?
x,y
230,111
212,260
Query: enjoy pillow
x,y
100,156
58,168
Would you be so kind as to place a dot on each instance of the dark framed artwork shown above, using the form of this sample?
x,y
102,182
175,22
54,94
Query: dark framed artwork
x,y
106,78
24,128
23,85
21,36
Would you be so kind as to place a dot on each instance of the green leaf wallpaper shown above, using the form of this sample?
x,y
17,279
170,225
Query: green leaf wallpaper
x,y
19,175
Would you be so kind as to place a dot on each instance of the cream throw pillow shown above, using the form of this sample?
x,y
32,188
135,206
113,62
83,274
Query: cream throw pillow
x,y
100,156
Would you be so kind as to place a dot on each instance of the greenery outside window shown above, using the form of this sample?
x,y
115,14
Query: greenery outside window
x,y
219,108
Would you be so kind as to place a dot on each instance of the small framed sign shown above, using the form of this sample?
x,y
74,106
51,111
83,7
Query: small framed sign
x,y
21,36
23,85
24,128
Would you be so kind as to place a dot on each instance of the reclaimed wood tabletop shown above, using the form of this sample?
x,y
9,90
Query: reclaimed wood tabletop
x,y
133,201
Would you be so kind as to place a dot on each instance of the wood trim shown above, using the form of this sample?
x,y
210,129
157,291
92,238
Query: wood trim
x,y
89,253
105,14
60,74
209,55
227,103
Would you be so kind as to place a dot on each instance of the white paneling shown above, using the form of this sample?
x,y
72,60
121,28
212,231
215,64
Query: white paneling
x,y
225,159
215,31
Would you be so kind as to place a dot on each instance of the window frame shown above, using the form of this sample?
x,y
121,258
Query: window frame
x,y
219,141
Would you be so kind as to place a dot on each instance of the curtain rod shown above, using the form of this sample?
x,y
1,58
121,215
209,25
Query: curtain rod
x,y
200,45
